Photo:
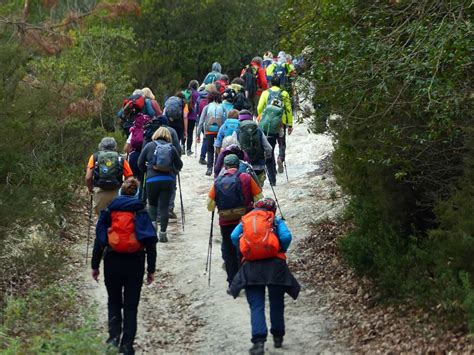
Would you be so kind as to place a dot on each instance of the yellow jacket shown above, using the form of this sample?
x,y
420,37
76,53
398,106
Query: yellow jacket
x,y
287,117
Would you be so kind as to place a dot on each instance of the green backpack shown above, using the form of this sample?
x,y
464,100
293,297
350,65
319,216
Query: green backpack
x,y
249,141
271,122
108,170
187,95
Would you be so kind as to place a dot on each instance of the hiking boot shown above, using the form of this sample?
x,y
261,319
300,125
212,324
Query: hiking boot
x,y
172,215
189,152
209,172
280,166
257,349
202,161
127,350
113,342
163,238
277,341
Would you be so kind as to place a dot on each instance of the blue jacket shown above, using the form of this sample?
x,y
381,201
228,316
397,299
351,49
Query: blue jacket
x,y
282,232
143,227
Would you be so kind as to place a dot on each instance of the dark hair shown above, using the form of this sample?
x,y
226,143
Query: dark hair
x,y
233,113
193,84
275,80
180,95
239,81
214,96
225,78
130,186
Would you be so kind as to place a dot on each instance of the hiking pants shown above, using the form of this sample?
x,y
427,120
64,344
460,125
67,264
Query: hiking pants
x,y
256,299
159,196
189,140
203,148
102,198
282,144
123,275
270,162
210,150
229,252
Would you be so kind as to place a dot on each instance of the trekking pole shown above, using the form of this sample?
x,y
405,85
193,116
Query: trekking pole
x,y
183,219
274,194
89,229
209,251
286,171
143,189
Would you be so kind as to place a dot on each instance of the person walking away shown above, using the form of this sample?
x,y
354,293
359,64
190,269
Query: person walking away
x,y
192,115
134,143
222,83
213,75
132,105
274,109
212,118
124,236
230,145
231,124
161,161
233,193
255,81
263,239
152,107
202,102
105,172
176,110
240,101
252,140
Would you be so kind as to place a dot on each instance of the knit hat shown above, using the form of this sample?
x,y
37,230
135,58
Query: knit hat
x,y
266,203
231,161
245,115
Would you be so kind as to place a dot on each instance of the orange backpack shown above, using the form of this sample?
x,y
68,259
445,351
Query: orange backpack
x,y
259,240
121,234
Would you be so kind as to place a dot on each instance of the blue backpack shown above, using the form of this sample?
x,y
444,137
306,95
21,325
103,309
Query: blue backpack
x,y
162,157
227,106
229,197
230,126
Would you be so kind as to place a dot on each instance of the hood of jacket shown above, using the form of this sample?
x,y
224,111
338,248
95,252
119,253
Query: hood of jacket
x,y
126,203
216,67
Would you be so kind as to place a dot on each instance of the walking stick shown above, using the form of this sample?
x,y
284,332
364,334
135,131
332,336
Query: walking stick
x,y
183,219
143,189
209,251
274,194
89,229
286,171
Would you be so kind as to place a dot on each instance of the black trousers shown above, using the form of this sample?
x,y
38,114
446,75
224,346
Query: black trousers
x,y
123,274
229,252
159,198
189,139
210,150
270,162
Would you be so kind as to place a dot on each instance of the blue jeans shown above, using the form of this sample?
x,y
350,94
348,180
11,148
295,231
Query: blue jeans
x,y
256,300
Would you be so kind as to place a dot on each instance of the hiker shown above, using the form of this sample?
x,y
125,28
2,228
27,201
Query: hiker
x,y
192,115
211,119
280,69
152,107
202,102
230,145
252,140
231,124
161,161
176,110
124,235
132,105
240,100
214,75
233,193
274,109
267,60
105,172
255,81
263,239
222,83
134,143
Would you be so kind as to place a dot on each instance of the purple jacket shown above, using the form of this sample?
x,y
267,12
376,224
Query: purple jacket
x,y
192,115
232,149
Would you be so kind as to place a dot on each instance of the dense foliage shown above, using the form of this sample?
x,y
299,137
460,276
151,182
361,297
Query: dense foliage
x,y
398,74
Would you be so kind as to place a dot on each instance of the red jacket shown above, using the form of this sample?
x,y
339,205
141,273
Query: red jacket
x,y
262,83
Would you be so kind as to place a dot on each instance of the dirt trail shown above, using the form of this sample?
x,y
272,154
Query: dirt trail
x,y
181,314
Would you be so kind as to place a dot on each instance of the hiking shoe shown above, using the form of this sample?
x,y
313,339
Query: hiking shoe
x,y
257,349
189,152
172,215
209,172
202,161
280,166
127,350
114,342
163,238
277,341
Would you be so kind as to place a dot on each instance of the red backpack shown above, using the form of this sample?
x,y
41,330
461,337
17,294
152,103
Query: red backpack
x,y
259,239
121,234
133,104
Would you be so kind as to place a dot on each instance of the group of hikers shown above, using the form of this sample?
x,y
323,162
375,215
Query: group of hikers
x,y
241,122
